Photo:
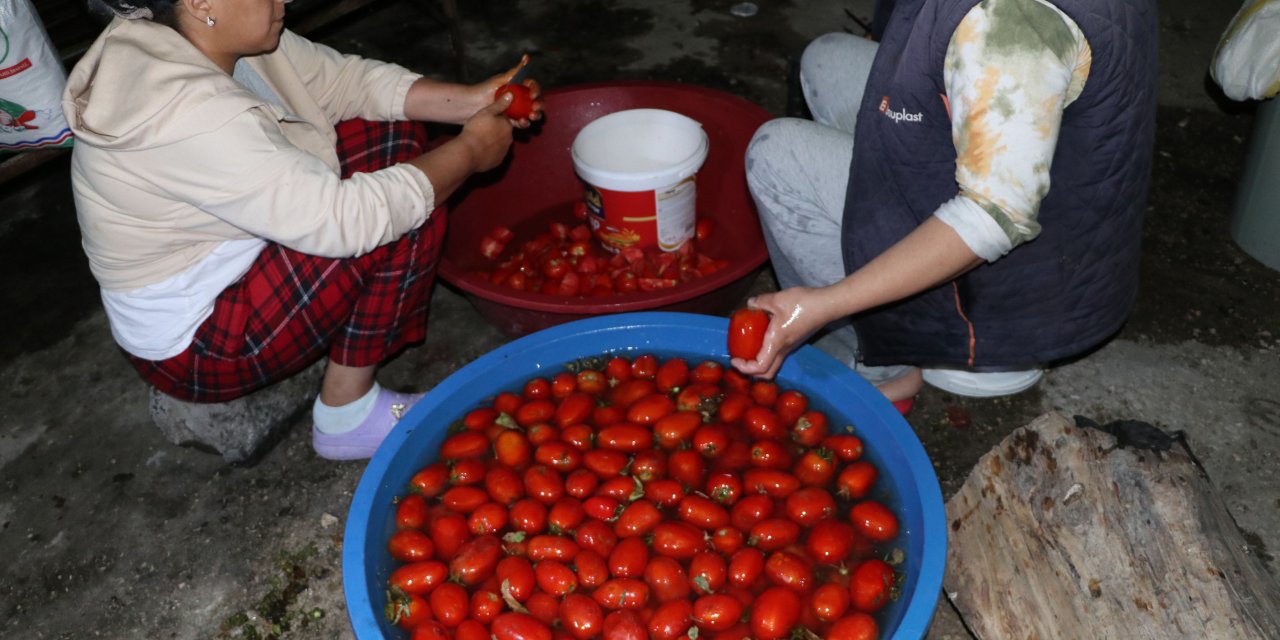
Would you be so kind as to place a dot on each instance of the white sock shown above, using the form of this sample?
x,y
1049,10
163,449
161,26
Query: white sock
x,y
337,420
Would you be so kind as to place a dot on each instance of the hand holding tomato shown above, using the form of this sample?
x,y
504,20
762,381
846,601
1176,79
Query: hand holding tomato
x,y
522,99
795,314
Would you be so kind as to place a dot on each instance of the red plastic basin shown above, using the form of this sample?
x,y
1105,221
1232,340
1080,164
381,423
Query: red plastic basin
x,y
538,183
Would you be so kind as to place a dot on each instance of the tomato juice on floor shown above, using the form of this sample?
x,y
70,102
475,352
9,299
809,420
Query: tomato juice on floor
x,y
733,517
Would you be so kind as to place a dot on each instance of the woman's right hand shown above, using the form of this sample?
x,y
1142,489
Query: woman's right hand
x,y
487,135
794,315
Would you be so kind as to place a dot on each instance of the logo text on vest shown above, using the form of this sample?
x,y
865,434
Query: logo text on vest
x,y
900,115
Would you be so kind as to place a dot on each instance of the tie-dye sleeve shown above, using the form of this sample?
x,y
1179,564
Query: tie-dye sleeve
x,y
1011,68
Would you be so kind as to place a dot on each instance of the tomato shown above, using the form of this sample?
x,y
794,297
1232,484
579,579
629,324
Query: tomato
x,y
469,471
829,602
775,613
448,533
558,455
727,540
574,408
476,560
708,371
789,570
591,382
513,625
645,366
855,626
622,593
830,541
746,333
593,569
703,228
464,499
667,579
745,567
629,558
764,392
431,480
517,577
676,429
702,512
596,536
687,466
711,440
874,521
624,489
736,458
791,406
547,547
770,454
521,107
697,396
537,388
707,572
809,505
408,611
606,463
772,482
624,625
410,545
637,519
512,449
627,437
544,607
555,578
717,612
871,585
503,485
733,407
678,540
846,446
430,630
470,630
649,465
773,534
602,508
724,487
651,408
489,518
464,444
580,436
566,515
672,375
529,515
411,512
543,483
563,384
485,606
750,510
450,604
603,416
490,247
419,578
581,616
763,422
664,492
671,620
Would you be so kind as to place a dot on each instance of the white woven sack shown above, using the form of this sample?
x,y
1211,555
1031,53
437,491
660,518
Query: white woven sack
x,y
31,82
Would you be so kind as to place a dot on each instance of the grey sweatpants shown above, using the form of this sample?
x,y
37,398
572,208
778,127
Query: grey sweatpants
x,y
798,172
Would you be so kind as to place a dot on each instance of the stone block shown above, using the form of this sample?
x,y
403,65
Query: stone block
x,y
243,429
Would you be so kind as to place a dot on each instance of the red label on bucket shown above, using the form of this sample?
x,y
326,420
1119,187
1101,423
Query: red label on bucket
x,y
663,218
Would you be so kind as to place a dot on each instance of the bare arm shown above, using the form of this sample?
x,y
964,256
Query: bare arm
x,y
931,254
450,103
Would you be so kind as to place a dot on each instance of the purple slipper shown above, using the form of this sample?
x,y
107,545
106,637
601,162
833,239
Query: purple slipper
x,y
361,442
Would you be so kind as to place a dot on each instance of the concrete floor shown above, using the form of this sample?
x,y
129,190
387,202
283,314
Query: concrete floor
x,y
109,531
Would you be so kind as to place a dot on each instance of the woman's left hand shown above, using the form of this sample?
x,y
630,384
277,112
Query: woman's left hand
x,y
490,88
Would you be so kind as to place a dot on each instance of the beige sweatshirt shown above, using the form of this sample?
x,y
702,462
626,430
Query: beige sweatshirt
x,y
173,157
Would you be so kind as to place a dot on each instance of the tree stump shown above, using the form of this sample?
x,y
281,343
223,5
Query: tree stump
x,y
1070,532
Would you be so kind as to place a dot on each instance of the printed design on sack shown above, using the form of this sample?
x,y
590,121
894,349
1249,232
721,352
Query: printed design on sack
x,y
901,115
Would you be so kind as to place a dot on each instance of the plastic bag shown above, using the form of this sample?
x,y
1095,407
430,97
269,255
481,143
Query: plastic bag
x,y
1247,62
31,82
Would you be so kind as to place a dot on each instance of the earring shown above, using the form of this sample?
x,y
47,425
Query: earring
x,y
209,21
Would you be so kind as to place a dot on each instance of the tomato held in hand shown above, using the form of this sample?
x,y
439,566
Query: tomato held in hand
x,y
521,106
746,333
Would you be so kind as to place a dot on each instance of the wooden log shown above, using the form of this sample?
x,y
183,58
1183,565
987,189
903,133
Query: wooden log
x,y
1061,532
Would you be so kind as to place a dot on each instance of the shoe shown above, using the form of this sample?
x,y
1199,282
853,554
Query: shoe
x,y
360,443
982,385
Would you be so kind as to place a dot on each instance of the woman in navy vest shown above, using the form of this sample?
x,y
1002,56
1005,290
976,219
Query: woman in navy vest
x,y
966,206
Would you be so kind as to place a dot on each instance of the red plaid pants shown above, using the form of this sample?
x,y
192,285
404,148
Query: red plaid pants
x,y
291,309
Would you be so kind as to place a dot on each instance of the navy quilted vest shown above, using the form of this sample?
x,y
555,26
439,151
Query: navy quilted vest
x,y
1054,297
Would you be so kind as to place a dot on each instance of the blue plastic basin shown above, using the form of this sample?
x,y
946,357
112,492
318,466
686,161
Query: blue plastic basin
x,y
907,480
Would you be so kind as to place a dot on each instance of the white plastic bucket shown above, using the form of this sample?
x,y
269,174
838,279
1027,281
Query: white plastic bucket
x,y
640,168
